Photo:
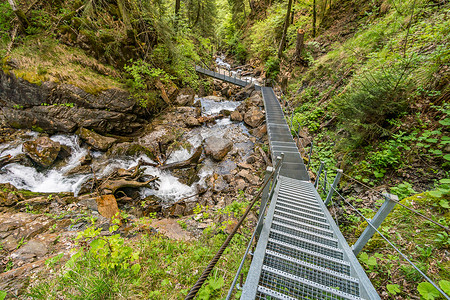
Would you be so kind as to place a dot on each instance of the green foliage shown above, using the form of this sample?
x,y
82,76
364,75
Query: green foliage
x,y
393,289
272,67
428,291
110,252
2,295
211,288
403,190
6,16
373,97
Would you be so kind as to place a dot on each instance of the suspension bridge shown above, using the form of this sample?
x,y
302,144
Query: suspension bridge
x,y
300,251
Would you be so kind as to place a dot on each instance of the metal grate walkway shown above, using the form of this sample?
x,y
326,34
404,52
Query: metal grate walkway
x,y
301,253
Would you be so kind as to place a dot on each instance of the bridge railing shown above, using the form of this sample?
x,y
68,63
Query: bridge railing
x,y
268,186
323,184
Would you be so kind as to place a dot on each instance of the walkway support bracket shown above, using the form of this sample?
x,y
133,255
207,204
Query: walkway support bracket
x,y
382,213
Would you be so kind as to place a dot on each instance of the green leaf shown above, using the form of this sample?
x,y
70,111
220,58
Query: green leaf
x,y
431,140
444,284
428,291
216,284
135,268
447,156
2,295
445,122
436,194
364,257
445,180
444,204
372,261
393,289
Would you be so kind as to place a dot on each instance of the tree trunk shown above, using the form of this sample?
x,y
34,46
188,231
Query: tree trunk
x,y
177,13
314,18
286,25
19,13
124,14
300,45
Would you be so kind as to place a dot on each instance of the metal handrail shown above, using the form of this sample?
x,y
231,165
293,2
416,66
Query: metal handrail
x,y
194,290
260,220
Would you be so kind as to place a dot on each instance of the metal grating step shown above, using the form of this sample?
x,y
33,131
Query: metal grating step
x,y
297,218
311,272
299,288
303,226
306,244
321,239
302,208
268,294
305,204
300,213
315,258
299,196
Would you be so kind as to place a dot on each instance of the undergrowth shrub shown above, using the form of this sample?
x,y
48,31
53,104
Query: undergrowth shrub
x,y
371,99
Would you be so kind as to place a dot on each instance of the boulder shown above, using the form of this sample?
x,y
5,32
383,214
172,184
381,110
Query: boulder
x,y
42,151
97,141
129,149
217,148
66,108
245,93
185,97
254,117
236,116
192,122
256,99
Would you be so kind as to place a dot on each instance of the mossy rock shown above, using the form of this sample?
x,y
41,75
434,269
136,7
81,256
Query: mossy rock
x,y
130,149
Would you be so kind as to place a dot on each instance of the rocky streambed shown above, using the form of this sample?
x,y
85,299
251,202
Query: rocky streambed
x,y
203,152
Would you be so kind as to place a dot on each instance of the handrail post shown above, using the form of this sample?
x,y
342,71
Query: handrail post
x,y
333,186
309,155
382,213
316,184
325,181
264,198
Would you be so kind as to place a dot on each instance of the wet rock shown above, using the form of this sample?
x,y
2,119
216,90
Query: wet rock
x,y
254,117
7,196
217,148
245,93
192,122
86,160
78,170
185,97
129,149
53,119
236,116
97,141
42,151
152,204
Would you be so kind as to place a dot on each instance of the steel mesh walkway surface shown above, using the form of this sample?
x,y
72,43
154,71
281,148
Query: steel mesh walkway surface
x,y
301,253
